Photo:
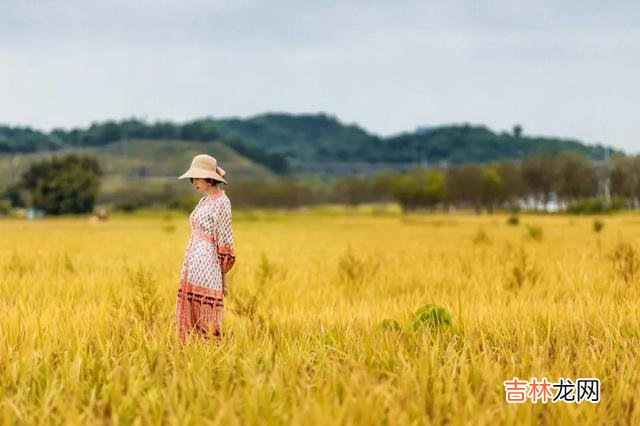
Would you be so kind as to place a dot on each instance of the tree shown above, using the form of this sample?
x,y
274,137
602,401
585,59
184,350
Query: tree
x,y
574,177
625,179
537,172
419,189
404,190
514,186
517,131
492,188
464,184
354,190
63,185
434,189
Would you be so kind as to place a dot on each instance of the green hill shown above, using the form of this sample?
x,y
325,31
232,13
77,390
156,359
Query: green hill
x,y
275,142
137,170
144,159
26,140
319,137
158,158
477,144
303,137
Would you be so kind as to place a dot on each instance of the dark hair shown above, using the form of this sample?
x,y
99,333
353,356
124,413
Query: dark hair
x,y
212,181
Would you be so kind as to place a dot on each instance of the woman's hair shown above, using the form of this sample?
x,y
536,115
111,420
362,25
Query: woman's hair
x,y
210,180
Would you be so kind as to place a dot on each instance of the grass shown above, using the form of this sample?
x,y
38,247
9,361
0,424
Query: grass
x,y
86,332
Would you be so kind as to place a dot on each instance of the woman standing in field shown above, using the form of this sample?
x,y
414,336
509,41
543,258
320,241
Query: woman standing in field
x,y
209,255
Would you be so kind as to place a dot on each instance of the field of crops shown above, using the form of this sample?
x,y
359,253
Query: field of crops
x,y
320,325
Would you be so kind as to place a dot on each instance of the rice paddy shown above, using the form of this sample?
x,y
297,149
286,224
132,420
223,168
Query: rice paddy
x,y
320,323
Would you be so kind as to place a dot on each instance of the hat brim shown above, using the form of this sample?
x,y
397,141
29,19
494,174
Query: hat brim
x,y
195,172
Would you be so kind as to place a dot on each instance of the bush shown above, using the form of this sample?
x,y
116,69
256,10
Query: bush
x,y
481,237
597,225
535,232
431,317
127,206
63,185
16,195
595,206
5,207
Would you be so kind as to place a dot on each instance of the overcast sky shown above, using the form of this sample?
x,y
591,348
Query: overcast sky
x,y
567,68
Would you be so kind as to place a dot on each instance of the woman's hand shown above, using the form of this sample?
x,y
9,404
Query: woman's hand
x,y
225,292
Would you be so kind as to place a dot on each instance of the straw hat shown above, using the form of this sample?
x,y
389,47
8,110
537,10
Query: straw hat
x,y
204,166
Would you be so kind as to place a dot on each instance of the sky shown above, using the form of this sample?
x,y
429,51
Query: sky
x,y
564,68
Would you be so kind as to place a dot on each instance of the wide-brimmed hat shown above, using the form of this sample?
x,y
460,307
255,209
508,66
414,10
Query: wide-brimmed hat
x,y
204,166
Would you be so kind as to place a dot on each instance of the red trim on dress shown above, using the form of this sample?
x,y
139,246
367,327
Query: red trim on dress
x,y
199,310
227,258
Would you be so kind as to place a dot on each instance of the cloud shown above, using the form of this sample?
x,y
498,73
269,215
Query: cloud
x,y
563,68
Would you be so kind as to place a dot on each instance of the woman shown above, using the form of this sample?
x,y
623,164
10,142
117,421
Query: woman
x,y
209,255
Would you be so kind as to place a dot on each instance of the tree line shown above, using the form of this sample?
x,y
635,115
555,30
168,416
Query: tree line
x,y
70,184
574,181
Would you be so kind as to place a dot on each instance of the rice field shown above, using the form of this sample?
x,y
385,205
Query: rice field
x,y
319,323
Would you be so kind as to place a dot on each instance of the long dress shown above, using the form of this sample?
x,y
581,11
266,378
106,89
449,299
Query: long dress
x,y
209,253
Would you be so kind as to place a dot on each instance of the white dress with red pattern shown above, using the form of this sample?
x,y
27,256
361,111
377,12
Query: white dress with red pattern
x,y
209,253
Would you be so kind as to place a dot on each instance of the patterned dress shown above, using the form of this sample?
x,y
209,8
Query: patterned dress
x,y
209,254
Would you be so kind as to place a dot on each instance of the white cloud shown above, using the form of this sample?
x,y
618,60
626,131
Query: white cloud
x,y
565,68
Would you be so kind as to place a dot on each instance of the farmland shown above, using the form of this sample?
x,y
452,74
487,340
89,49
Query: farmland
x,y
319,322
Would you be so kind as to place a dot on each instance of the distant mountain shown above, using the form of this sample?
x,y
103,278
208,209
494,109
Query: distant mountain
x,y
477,144
322,138
308,142
304,137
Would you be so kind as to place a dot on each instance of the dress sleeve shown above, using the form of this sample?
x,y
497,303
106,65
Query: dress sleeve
x,y
224,237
